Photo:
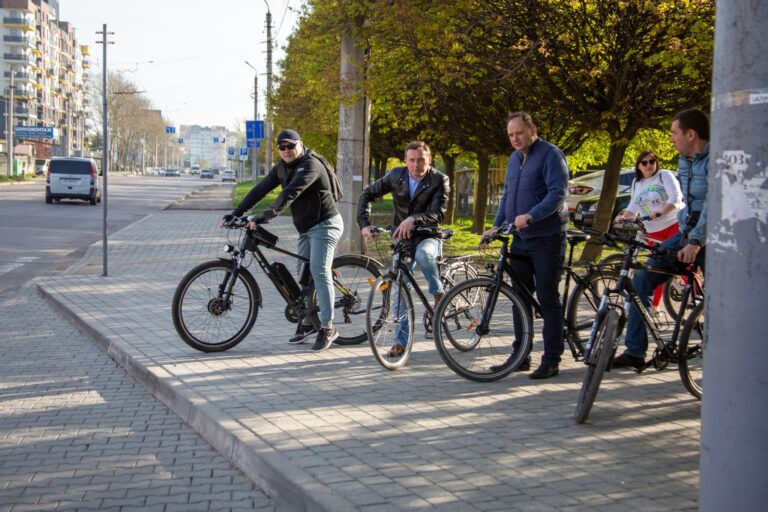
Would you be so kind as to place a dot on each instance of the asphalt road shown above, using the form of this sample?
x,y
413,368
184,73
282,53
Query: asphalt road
x,y
39,239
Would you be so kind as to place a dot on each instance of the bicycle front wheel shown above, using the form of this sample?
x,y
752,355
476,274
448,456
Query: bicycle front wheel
x,y
353,276
691,352
389,322
585,301
597,360
203,315
673,294
472,350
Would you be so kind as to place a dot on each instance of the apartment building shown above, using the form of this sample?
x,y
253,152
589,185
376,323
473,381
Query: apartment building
x,y
204,145
47,88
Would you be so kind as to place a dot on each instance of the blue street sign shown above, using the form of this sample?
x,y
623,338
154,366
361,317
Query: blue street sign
x,y
254,130
170,129
243,154
181,141
34,132
215,139
231,151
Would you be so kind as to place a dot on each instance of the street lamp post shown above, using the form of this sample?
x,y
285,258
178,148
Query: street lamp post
x,y
268,117
9,131
254,150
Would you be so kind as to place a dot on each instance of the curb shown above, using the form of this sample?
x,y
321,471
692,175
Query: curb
x,y
260,463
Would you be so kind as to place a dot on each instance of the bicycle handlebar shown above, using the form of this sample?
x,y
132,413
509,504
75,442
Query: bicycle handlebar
x,y
232,222
435,231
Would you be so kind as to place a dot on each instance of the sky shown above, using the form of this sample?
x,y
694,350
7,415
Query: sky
x,y
188,56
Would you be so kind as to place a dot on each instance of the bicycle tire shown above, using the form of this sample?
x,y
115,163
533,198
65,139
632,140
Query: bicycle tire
x,y
691,353
482,357
584,302
383,321
454,272
600,355
612,262
673,293
352,278
199,316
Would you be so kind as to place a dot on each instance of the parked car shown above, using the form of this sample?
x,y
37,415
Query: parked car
x,y
228,175
72,178
174,173
206,173
589,185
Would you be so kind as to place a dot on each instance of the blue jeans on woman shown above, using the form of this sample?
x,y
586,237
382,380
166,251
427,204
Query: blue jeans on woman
x,y
636,340
427,252
540,269
319,245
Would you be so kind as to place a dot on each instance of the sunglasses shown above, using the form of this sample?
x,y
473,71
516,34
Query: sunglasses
x,y
291,145
652,161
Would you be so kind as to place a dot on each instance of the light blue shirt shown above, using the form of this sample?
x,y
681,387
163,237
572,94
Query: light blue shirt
x,y
412,185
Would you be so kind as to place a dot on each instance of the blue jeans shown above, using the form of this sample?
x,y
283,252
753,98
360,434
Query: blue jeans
x,y
319,244
636,340
427,252
540,269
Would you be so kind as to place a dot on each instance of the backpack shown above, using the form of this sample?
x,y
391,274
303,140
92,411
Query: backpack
x,y
333,178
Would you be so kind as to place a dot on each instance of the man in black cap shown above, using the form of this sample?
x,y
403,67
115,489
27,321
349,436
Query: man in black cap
x,y
307,190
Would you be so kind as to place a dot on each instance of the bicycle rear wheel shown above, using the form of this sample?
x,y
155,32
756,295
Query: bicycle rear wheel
x,y
390,322
597,360
673,293
691,352
471,353
585,301
204,319
353,276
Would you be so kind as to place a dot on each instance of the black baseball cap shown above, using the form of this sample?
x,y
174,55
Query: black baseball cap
x,y
288,136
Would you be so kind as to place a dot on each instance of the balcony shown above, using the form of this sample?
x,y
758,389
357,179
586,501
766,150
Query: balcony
x,y
24,77
19,22
23,40
19,57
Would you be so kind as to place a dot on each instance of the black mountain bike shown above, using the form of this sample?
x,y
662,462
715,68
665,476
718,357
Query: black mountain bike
x,y
686,346
484,326
390,309
216,303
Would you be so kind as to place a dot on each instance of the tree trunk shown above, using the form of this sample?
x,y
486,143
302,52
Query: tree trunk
x,y
604,214
450,170
481,193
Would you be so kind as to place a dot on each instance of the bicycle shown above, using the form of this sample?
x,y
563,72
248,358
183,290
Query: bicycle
x,y
611,319
485,325
215,304
390,308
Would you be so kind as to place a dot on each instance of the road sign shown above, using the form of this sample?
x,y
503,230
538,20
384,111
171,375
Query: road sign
x,y
243,154
35,132
215,140
254,130
230,153
170,129
181,141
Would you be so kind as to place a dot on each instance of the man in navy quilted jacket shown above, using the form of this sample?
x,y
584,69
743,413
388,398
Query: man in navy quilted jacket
x,y
534,202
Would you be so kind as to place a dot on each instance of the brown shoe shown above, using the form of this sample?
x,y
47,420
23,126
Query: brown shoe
x,y
396,351
438,298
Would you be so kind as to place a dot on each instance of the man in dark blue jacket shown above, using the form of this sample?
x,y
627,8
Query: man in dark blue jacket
x,y
533,201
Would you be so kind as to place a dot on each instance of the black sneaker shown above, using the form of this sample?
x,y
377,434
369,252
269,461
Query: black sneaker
x,y
524,366
302,332
629,361
325,339
545,371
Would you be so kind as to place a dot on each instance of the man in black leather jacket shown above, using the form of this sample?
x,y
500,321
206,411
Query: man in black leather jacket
x,y
307,190
420,198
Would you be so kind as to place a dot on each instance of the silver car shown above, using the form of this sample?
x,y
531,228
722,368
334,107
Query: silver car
x,y
72,178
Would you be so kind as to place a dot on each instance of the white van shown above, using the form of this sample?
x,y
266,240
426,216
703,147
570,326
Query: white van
x,y
72,178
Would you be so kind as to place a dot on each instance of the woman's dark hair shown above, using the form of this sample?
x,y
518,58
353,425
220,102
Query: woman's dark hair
x,y
638,174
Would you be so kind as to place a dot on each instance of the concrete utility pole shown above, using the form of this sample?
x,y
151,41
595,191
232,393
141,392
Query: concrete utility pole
x,y
268,117
352,147
9,132
105,148
734,436
254,150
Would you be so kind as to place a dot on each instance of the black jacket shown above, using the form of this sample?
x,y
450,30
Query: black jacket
x,y
427,207
306,190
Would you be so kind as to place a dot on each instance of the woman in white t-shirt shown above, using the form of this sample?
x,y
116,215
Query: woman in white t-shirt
x,y
656,194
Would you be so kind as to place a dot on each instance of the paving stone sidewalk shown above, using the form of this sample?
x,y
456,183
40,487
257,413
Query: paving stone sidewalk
x,y
77,432
334,431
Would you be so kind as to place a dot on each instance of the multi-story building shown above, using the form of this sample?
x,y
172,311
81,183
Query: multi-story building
x,y
49,71
204,145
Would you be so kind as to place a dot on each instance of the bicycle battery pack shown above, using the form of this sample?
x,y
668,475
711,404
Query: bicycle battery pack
x,y
288,286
